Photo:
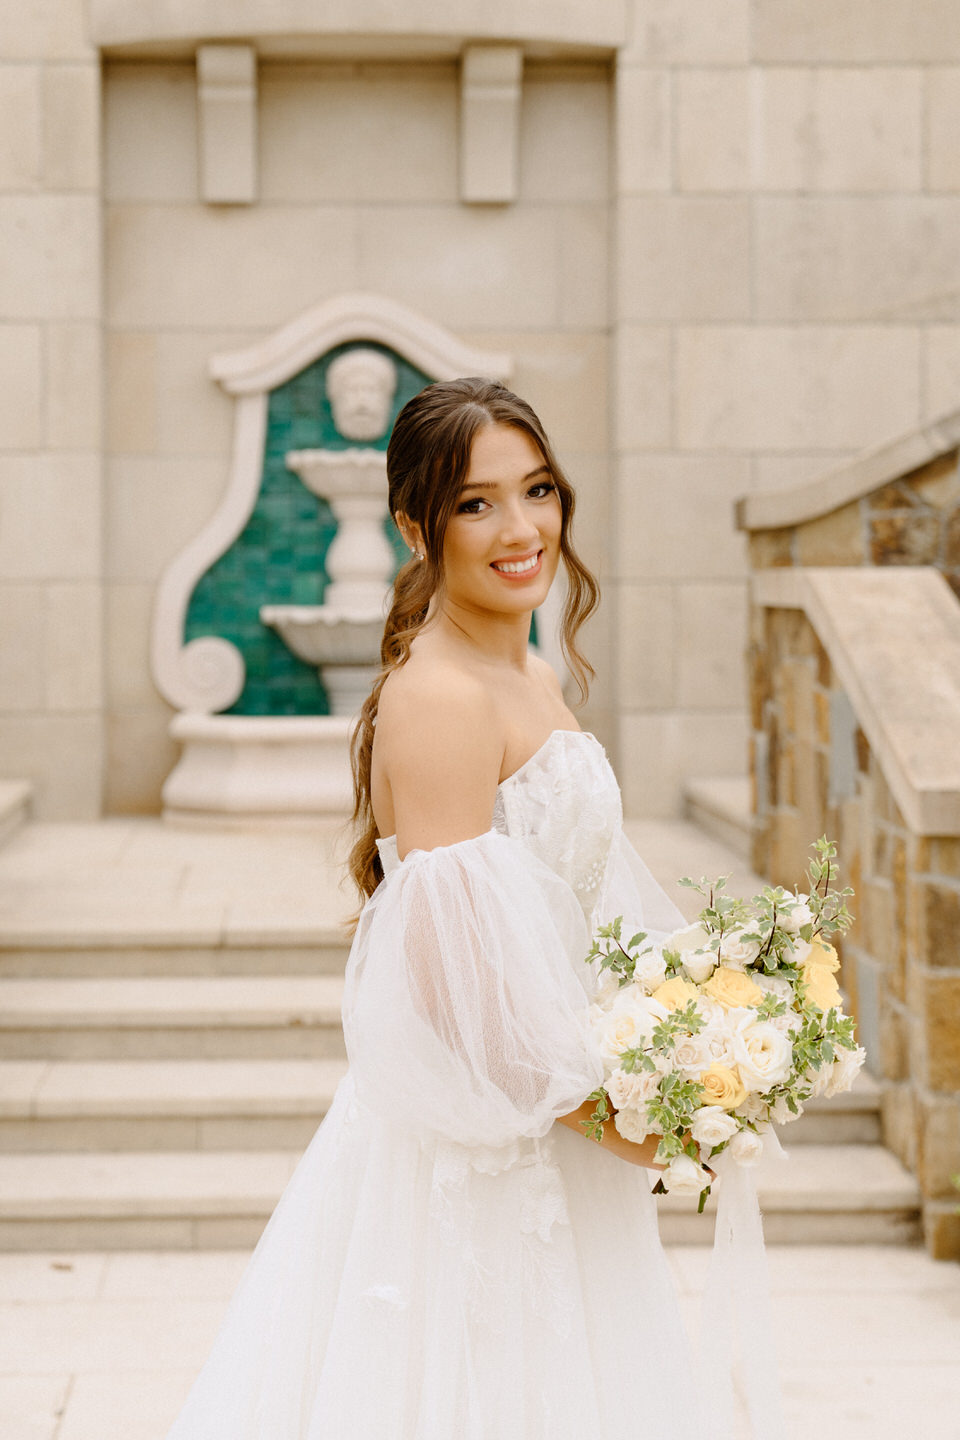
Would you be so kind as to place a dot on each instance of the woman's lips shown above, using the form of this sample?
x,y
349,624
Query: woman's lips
x,y
521,574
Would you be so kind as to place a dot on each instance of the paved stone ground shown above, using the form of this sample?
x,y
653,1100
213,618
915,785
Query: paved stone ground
x,y
104,1346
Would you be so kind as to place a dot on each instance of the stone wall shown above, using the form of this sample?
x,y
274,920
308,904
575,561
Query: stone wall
x,y
358,190
50,384
913,520
815,772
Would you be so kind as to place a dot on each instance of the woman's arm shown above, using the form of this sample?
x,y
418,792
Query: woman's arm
x,y
613,1142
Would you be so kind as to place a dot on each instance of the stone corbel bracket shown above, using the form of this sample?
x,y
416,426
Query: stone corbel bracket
x,y
491,79
207,675
227,123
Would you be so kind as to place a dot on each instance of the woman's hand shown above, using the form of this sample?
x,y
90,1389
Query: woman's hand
x,y
642,1153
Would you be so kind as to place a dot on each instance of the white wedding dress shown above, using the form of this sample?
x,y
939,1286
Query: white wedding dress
x,y
446,1263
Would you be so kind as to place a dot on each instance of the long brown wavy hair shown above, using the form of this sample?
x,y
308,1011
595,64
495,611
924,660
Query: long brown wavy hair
x,y
427,461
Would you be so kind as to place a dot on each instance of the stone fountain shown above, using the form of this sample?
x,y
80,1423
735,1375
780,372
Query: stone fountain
x,y
256,766
342,636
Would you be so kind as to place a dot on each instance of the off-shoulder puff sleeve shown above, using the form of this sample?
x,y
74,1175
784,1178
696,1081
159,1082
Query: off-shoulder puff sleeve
x,y
465,1006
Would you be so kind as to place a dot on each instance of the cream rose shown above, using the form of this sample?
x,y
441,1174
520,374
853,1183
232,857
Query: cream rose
x,y
691,1054
632,1125
822,989
737,952
722,1086
763,1055
691,937
798,913
845,1070
780,1111
797,951
683,1176
631,1091
675,993
712,1126
628,1025
650,970
746,1147
753,1108
732,987
699,964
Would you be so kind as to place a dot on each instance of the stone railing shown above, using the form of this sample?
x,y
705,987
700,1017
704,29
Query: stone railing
x,y
855,681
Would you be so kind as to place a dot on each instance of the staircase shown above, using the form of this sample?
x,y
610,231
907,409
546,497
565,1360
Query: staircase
x,y
160,1078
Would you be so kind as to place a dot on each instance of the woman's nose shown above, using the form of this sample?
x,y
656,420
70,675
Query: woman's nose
x,y
518,524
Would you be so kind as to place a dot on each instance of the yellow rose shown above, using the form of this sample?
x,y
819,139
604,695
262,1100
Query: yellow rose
x,y
732,987
676,992
822,954
722,1086
822,989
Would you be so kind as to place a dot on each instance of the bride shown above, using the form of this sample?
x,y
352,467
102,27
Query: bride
x,y
453,1259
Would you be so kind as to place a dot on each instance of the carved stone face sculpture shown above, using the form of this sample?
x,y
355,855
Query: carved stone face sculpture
x,y
360,387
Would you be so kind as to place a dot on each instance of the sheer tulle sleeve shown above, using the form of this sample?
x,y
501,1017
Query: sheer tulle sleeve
x,y
465,1007
629,889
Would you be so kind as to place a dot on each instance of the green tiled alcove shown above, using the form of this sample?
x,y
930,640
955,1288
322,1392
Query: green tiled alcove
x,y
278,559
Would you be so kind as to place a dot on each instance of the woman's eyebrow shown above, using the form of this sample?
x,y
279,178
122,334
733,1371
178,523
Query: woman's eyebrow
x,y
495,484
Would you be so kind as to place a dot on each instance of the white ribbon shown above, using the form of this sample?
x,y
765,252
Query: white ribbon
x,y
737,1333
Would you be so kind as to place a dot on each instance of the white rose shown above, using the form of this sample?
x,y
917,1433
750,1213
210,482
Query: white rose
x,y
762,1054
818,1080
788,1023
691,1054
736,952
632,1125
650,969
699,964
712,1126
798,913
691,937
775,985
628,1024
797,951
844,1070
781,1113
710,1011
717,1041
684,1176
746,1147
753,1108
632,1091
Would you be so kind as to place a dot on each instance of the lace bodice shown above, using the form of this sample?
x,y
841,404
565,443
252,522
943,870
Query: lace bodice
x,y
564,804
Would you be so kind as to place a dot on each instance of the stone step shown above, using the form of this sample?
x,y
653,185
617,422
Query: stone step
x,y
219,1199
164,1104
15,798
191,1017
252,1105
852,1118
818,1195
48,953
720,805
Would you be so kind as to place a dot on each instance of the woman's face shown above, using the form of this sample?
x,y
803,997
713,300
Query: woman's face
x,y
508,515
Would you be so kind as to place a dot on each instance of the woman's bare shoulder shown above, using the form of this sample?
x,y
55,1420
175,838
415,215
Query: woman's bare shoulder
x,y
439,746
432,702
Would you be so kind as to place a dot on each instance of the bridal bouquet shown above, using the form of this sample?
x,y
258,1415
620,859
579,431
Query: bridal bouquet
x,y
724,1026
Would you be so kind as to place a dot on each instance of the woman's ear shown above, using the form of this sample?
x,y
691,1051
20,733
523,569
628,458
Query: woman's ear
x,y
410,532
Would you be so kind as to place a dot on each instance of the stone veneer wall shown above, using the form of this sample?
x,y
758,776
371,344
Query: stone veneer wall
x,y
814,772
913,520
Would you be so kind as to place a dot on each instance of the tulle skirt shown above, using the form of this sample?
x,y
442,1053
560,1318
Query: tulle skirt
x,y
415,1289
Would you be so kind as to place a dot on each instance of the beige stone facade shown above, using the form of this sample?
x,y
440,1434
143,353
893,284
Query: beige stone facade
x,y
730,262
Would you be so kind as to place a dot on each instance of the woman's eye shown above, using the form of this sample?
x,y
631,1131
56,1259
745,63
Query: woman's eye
x,y
465,508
